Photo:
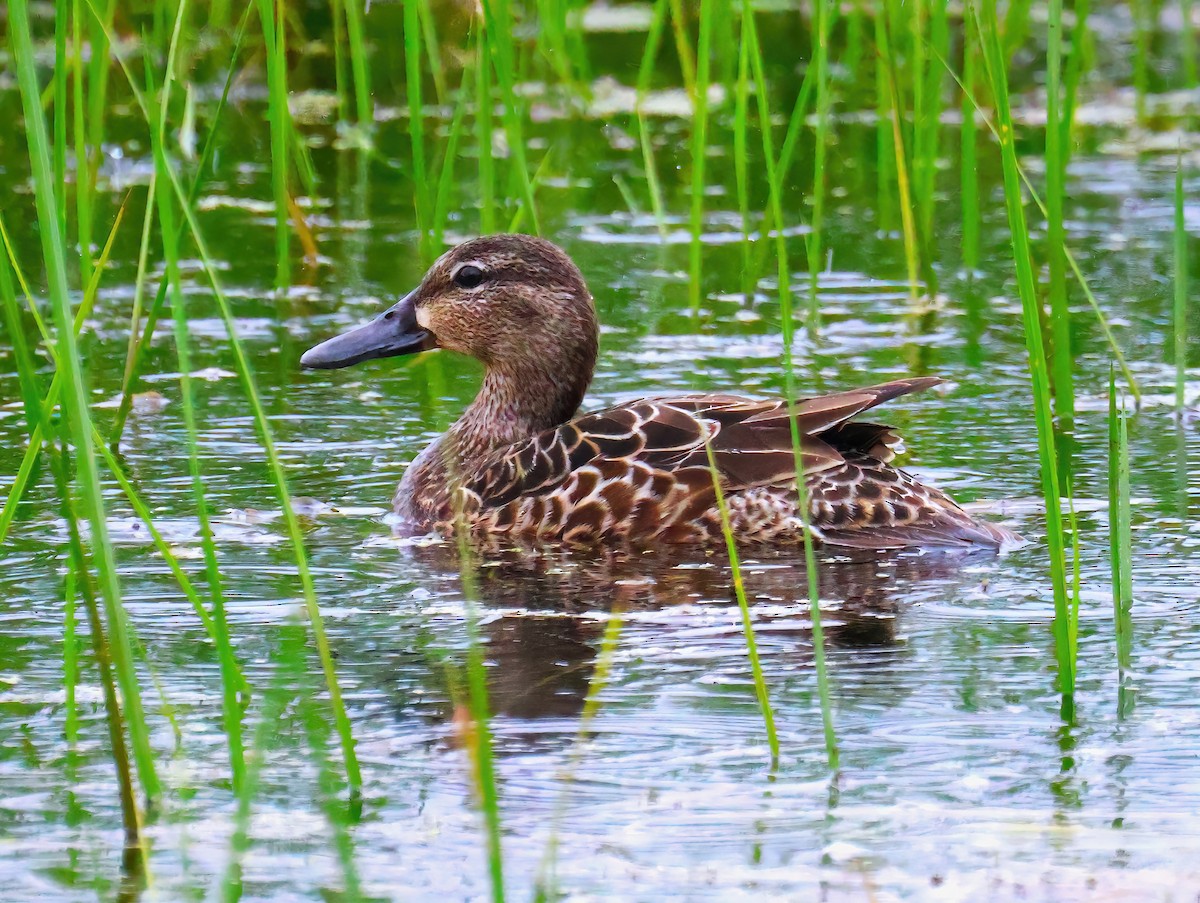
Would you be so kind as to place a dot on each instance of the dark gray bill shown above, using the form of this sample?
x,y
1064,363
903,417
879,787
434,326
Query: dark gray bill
x,y
393,332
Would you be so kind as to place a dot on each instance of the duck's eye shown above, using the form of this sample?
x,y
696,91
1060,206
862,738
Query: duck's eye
x,y
468,276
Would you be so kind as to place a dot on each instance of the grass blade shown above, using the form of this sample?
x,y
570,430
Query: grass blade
x,y
1063,379
775,186
1181,292
1120,544
988,30
77,394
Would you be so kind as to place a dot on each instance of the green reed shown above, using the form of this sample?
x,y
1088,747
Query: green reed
x,y
987,28
359,63
416,131
75,406
1082,280
699,152
437,69
739,589
34,405
26,366
498,25
741,103
1191,48
683,46
1120,543
271,15
822,12
1062,375
927,77
1181,292
885,125
545,885
83,181
1077,65
59,103
141,335
38,430
445,183
483,127
645,142
481,730
555,47
231,708
969,162
900,167
1142,32
783,275
166,171
131,817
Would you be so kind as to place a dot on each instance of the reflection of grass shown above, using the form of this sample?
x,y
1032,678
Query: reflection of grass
x,y
1062,375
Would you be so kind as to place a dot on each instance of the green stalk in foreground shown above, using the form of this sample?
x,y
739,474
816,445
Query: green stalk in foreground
x,y
130,817
988,29
416,131
500,42
1190,48
645,73
1120,544
274,464
546,887
77,398
1181,292
270,13
699,147
1101,319
822,11
1056,174
138,343
739,589
774,184
969,165
477,700
35,405
912,253
231,709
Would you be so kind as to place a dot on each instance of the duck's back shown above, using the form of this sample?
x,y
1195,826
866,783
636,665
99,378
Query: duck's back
x,y
641,472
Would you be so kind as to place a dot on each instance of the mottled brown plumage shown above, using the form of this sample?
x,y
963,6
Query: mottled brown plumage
x,y
518,462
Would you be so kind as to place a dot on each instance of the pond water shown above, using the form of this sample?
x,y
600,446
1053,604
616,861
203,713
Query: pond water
x,y
959,779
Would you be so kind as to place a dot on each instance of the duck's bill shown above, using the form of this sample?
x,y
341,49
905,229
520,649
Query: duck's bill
x,y
394,332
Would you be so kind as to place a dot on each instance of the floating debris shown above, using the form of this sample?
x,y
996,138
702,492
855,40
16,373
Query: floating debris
x,y
143,403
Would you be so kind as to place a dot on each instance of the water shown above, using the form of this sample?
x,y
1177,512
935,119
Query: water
x,y
959,780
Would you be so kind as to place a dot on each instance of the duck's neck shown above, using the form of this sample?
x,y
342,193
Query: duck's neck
x,y
512,405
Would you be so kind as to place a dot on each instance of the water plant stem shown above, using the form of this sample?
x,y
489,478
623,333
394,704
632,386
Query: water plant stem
x,y
76,402
988,30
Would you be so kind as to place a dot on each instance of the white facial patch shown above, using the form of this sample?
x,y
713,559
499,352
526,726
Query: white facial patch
x,y
422,317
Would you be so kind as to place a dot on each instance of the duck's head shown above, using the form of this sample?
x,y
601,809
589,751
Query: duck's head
x,y
517,303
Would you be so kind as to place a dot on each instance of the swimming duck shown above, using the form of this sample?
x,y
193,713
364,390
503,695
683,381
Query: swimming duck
x,y
519,461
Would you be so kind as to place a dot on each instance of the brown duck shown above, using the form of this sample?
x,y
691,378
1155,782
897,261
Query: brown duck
x,y
520,462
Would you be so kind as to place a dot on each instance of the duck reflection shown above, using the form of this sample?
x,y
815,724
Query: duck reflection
x,y
543,610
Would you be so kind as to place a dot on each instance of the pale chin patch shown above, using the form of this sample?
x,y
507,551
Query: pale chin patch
x,y
422,318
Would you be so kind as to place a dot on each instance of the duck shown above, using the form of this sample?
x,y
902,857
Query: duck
x,y
522,461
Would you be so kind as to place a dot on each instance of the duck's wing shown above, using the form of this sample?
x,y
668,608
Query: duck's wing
x,y
665,437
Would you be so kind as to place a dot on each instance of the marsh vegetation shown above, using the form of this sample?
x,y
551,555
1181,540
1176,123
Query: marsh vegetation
x,y
222,676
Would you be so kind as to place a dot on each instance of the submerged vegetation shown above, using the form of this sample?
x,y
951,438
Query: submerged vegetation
x,y
735,117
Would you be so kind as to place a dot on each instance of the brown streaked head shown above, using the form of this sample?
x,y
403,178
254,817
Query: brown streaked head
x,y
517,303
